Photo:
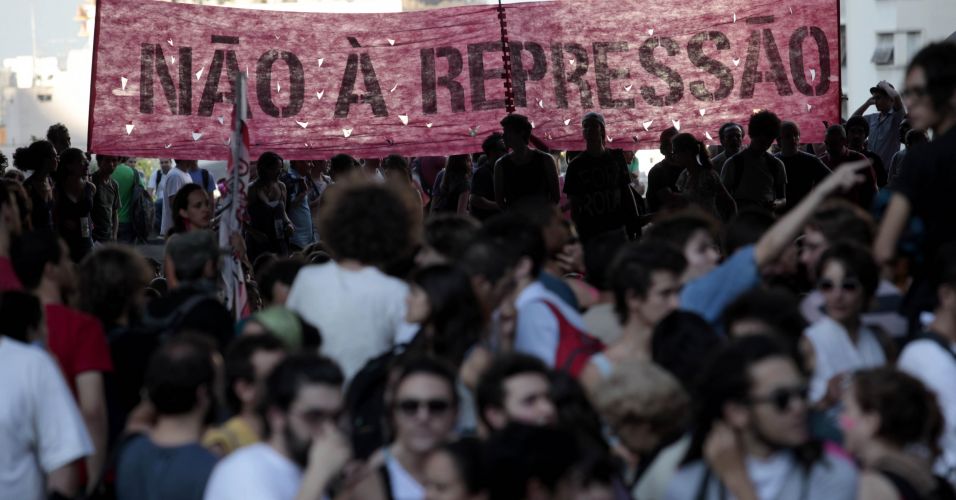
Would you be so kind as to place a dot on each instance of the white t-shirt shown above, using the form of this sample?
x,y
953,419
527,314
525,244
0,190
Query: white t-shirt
x,y
360,314
403,485
255,471
769,475
40,426
835,353
927,361
158,187
175,180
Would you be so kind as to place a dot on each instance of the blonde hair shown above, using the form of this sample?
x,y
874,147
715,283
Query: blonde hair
x,y
646,391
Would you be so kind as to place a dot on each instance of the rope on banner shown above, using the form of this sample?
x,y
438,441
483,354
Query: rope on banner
x,y
506,59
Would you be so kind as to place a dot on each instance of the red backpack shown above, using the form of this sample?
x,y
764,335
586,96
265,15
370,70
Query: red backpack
x,y
575,346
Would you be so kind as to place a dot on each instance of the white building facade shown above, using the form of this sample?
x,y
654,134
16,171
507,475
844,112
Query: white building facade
x,y
879,37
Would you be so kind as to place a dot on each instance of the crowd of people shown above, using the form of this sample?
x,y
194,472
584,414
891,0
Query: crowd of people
x,y
777,321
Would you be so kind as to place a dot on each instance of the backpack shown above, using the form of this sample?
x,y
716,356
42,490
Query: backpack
x,y
141,210
365,404
575,347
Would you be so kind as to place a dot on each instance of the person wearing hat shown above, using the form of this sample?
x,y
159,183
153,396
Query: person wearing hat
x,y
884,138
192,270
597,183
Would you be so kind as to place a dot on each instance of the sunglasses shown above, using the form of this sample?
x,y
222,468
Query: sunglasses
x,y
915,92
848,285
410,407
781,398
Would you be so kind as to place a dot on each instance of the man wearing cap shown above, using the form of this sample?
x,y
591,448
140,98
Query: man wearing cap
x,y
596,183
191,268
884,138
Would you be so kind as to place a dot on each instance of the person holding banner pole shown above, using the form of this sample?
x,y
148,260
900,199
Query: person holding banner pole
x,y
524,172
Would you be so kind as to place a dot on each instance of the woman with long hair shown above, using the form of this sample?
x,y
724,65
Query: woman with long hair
x,y
39,160
269,227
74,201
700,183
892,423
452,192
441,299
191,210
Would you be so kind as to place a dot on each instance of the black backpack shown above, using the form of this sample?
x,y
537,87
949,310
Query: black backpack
x,y
141,209
365,404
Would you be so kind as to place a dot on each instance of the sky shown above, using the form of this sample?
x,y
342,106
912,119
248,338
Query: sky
x,y
56,29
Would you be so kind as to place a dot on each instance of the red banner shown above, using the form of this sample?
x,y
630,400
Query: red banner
x,y
431,83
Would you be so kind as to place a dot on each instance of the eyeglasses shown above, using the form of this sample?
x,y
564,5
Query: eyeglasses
x,y
316,417
848,285
915,92
781,398
410,407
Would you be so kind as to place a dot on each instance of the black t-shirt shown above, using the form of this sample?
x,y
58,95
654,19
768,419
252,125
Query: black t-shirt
x,y
483,184
74,224
662,176
595,186
879,169
446,197
804,171
928,181
536,179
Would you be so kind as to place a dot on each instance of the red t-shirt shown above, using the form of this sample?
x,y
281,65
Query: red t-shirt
x,y
8,278
77,342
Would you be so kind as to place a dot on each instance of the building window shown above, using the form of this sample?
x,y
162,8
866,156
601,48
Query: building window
x,y
883,54
44,97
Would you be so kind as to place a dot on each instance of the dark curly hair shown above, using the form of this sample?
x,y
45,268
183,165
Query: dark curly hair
x,y
370,223
764,124
109,279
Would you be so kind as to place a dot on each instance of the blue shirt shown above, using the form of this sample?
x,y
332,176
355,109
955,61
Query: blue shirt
x,y
300,214
710,294
884,138
146,471
558,287
197,177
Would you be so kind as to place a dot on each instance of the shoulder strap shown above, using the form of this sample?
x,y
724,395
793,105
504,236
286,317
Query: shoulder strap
x,y
386,481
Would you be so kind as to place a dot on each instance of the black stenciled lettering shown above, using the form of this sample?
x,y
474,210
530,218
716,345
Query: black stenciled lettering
x,y
519,75
478,75
373,91
604,75
264,83
672,78
695,51
777,74
152,58
430,82
580,56
211,94
797,69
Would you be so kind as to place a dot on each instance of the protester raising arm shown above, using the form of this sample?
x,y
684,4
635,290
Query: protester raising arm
x,y
781,234
710,294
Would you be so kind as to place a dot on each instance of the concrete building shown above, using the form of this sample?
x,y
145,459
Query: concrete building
x,y
879,37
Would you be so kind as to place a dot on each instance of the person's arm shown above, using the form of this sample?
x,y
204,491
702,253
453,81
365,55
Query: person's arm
x,y
463,203
725,202
482,203
782,233
500,184
327,457
893,93
894,221
723,454
779,187
63,481
866,105
116,208
92,403
554,188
